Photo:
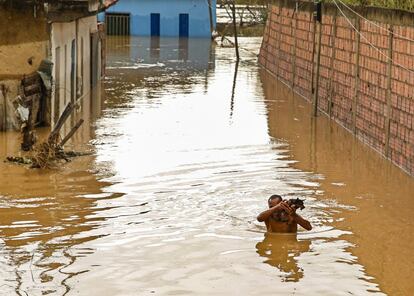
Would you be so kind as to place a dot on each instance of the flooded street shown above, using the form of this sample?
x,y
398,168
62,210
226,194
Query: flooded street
x,y
185,154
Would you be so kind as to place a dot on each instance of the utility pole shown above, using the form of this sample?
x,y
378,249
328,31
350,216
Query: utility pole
x,y
236,42
210,13
318,19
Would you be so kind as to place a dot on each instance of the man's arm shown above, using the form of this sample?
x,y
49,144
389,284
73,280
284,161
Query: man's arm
x,y
264,216
302,222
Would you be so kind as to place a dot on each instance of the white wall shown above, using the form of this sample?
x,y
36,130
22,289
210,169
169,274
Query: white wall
x,y
61,37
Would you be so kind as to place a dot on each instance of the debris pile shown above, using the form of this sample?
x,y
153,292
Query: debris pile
x,y
32,94
48,153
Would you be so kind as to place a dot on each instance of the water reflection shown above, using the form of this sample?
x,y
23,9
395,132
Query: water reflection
x,y
353,175
167,204
233,90
281,251
155,48
183,49
154,65
44,215
42,227
202,180
154,52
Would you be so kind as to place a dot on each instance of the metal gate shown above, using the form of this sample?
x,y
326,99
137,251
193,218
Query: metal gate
x,y
117,23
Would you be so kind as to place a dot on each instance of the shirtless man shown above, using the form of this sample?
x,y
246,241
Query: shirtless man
x,y
271,217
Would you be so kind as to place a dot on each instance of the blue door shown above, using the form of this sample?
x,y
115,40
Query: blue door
x,y
184,24
155,24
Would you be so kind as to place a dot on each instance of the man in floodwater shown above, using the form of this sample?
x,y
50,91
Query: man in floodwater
x,y
272,217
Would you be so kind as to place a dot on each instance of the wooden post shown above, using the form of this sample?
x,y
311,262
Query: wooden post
x,y
65,115
71,133
279,33
388,95
210,13
233,90
236,42
269,20
332,64
318,64
313,54
356,74
295,44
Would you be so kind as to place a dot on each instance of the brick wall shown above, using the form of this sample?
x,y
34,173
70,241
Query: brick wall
x,y
358,86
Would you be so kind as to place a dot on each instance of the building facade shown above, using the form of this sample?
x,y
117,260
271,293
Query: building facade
x,y
185,18
60,42
76,58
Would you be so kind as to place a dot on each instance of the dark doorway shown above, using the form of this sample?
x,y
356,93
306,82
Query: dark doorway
x,y
73,71
56,109
155,24
94,59
184,25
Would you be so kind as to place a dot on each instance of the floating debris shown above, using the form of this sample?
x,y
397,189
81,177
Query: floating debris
x,y
50,152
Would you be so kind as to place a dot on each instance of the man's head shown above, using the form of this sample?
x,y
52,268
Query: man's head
x,y
274,200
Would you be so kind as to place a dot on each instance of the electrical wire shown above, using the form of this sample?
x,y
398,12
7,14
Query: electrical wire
x,y
369,42
375,24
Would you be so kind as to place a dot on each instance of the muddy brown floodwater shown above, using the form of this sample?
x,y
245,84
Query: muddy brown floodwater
x,y
186,152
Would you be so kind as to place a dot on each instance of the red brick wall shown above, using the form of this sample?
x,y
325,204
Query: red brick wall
x,y
286,52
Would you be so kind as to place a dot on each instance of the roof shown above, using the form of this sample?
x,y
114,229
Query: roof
x,y
92,5
109,3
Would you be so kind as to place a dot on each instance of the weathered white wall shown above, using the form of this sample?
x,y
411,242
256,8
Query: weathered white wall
x,y
62,36
86,26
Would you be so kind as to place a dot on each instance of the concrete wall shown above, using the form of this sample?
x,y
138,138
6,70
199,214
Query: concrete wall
x,y
26,39
169,11
23,42
23,45
63,34
359,87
